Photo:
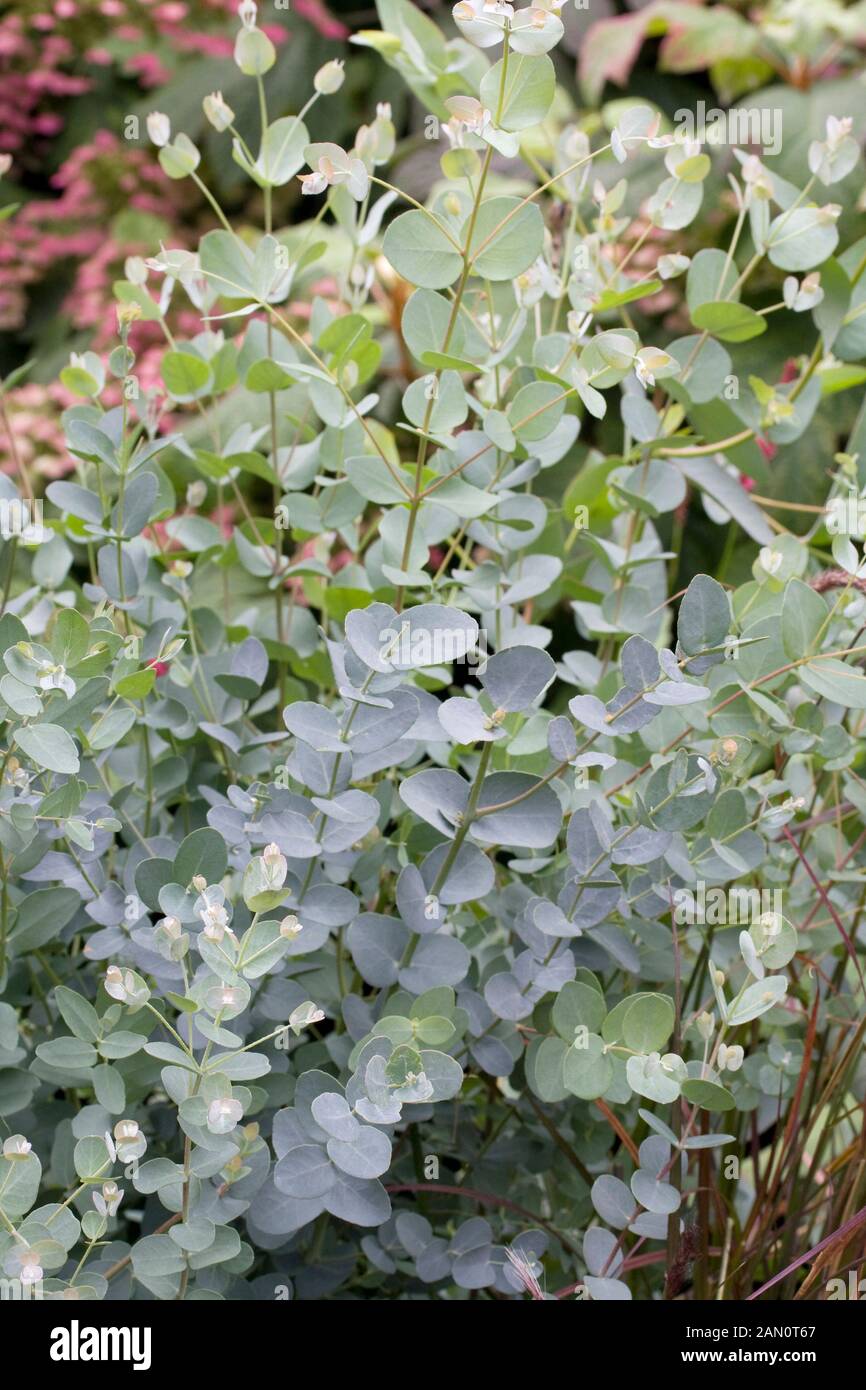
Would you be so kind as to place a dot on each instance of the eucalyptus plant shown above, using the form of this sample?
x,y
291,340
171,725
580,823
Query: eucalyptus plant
x,y
365,773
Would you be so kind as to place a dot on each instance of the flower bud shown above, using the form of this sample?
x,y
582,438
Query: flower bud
x,y
254,53
195,494
329,78
218,111
223,1115
706,1023
159,128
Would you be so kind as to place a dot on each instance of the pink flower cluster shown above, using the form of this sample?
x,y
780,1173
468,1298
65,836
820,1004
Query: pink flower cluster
x,y
97,181
31,84
33,413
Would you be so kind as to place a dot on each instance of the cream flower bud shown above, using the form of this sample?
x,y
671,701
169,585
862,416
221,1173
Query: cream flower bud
x,y
195,494
275,866
223,1114
730,1058
218,111
771,923
199,882
706,1023
290,927
5,164
313,183
126,1130
329,78
159,128
108,1200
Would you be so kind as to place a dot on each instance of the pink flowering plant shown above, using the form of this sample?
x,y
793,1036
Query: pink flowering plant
x,y
432,696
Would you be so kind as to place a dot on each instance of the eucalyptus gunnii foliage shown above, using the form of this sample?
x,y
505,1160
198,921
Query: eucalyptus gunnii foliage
x,y
350,943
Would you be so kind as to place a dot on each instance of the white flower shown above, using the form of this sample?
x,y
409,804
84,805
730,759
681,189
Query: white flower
x,y
729,1057
226,1000
800,297
771,924
313,183
196,493
672,265
834,157
329,78
275,866
536,282
211,909
469,112
159,128
290,927
333,168
770,560
126,987
5,164
16,1146
706,1024
55,678
223,1115
129,1139
304,1015
247,14
108,1200
218,111
215,921
651,362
